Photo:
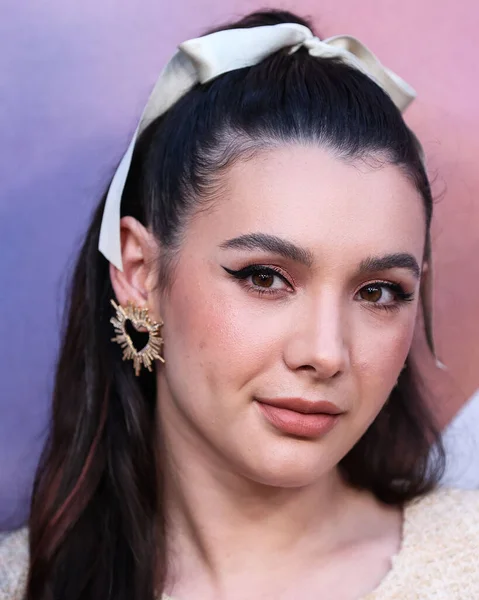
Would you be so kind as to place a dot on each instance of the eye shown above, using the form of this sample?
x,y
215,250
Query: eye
x,y
384,294
261,279
376,293
267,280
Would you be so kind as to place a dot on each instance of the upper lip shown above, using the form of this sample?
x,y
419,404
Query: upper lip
x,y
303,405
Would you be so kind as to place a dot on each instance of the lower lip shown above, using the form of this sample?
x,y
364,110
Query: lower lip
x,y
299,424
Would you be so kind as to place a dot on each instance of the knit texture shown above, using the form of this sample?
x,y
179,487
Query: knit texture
x,y
438,559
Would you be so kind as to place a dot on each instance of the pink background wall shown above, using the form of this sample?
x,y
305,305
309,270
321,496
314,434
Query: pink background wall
x,y
74,79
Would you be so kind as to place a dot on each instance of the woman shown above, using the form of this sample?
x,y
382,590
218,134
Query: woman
x,y
264,436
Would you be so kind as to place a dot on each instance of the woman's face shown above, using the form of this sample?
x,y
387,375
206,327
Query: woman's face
x,y
294,297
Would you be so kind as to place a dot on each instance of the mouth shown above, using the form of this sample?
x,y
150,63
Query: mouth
x,y
300,417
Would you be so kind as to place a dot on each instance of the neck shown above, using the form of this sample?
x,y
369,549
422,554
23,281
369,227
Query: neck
x,y
215,510
221,523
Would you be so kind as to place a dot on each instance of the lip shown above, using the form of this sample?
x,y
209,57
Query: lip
x,y
302,405
299,416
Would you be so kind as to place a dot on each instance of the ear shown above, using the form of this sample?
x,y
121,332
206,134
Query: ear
x,y
140,255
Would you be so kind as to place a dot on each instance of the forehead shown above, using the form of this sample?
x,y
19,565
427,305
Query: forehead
x,y
325,203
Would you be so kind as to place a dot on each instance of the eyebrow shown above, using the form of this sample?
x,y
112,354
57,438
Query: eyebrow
x,y
400,260
270,243
285,248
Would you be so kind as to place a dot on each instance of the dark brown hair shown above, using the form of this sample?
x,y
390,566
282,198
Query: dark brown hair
x,y
97,522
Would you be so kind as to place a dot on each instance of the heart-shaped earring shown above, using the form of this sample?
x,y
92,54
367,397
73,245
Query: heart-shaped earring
x,y
140,320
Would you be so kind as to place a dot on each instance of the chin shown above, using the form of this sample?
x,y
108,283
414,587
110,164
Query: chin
x,y
289,463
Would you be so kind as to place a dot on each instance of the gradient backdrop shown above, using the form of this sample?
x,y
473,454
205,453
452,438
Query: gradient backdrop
x,y
74,78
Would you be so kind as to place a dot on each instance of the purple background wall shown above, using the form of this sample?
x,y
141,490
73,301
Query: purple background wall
x,y
74,78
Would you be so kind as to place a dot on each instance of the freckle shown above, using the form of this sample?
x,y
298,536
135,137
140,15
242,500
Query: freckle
x,y
202,344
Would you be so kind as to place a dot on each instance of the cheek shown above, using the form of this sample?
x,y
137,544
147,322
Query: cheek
x,y
217,333
379,354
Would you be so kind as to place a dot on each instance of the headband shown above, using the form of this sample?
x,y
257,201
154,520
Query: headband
x,y
202,59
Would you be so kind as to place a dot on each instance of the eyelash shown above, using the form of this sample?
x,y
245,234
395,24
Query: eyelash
x,y
242,275
401,296
251,270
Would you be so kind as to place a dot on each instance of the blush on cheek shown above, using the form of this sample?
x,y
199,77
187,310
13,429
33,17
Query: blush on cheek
x,y
201,318
227,329
402,342
380,358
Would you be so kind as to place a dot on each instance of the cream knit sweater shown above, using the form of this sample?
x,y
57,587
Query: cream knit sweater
x,y
438,560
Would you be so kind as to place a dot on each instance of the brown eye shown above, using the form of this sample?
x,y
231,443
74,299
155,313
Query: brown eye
x,y
264,280
371,293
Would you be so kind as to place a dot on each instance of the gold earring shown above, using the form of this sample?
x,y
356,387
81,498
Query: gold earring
x,y
140,320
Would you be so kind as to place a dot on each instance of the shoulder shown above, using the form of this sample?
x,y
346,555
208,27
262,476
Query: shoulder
x,y
441,543
13,564
446,511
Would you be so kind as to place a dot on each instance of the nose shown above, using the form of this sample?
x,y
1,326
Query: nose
x,y
317,340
